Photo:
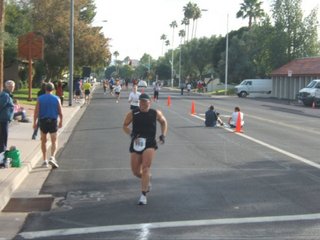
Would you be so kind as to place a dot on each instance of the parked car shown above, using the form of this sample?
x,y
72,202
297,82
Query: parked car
x,y
249,86
310,94
142,83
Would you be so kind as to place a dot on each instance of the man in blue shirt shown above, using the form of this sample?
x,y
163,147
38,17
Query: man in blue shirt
x,y
6,113
47,111
211,117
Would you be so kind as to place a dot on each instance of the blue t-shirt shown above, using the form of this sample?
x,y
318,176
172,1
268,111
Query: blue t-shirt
x,y
48,106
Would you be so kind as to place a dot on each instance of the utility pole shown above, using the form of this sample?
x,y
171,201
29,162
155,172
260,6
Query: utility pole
x,y
227,53
71,52
1,42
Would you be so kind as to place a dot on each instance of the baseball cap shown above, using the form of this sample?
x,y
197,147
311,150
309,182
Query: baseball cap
x,y
144,96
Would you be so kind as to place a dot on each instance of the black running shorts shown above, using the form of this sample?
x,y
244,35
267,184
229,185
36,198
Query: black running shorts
x,y
48,125
150,143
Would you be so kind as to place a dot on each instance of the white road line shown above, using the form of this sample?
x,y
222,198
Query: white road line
x,y
291,155
158,225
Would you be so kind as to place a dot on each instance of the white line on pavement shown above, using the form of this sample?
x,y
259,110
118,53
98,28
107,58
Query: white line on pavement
x,y
158,225
294,156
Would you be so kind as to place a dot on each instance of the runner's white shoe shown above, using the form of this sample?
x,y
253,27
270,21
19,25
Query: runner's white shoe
x,y
53,162
142,200
45,163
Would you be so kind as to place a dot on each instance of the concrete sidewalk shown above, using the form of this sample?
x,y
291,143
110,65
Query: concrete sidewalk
x,y
30,151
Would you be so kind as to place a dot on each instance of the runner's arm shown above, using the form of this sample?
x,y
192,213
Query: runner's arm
x,y
163,123
36,115
126,123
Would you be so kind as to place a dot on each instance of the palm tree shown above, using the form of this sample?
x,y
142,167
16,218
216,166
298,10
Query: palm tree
x,y
185,21
182,35
116,55
250,9
126,60
163,38
188,14
173,25
196,16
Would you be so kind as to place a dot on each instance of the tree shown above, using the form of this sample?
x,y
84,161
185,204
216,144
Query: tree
x,y
292,31
188,14
51,19
182,35
195,16
250,9
163,69
126,60
185,21
173,25
17,23
199,54
163,38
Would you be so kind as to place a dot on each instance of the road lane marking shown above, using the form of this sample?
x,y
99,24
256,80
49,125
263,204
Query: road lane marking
x,y
173,224
291,155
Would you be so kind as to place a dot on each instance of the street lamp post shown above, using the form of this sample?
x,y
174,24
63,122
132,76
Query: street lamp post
x,y
71,52
180,67
227,53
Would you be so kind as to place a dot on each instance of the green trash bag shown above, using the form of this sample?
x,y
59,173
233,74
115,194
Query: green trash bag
x,y
15,156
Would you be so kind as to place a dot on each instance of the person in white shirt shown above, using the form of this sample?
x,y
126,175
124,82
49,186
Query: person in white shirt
x,y
234,118
117,90
134,97
188,88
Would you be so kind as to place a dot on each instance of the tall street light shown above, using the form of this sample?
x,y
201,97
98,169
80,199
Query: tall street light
x,y
71,52
180,66
173,25
227,53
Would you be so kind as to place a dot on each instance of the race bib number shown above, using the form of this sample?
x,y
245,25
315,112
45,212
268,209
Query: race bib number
x,y
139,144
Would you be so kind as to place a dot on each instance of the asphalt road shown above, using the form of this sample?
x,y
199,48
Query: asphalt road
x,y
208,183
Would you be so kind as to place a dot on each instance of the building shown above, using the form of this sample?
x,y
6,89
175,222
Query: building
x,y
293,76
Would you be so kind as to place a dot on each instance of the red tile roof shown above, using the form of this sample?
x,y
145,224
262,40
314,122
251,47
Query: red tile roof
x,y
302,66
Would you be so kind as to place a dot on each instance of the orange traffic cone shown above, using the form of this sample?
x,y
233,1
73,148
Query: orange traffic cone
x,y
238,124
169,101
193,108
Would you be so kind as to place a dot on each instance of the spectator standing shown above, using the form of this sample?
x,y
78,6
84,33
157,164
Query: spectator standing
x,y
47,111
6,113
77,89
59,91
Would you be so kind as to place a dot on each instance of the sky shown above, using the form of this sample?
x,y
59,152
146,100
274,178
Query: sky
x,y
135,27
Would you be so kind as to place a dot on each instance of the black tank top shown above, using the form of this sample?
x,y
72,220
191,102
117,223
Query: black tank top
x,y
144,124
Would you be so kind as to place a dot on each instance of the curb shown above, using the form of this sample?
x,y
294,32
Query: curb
x,y
18,175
